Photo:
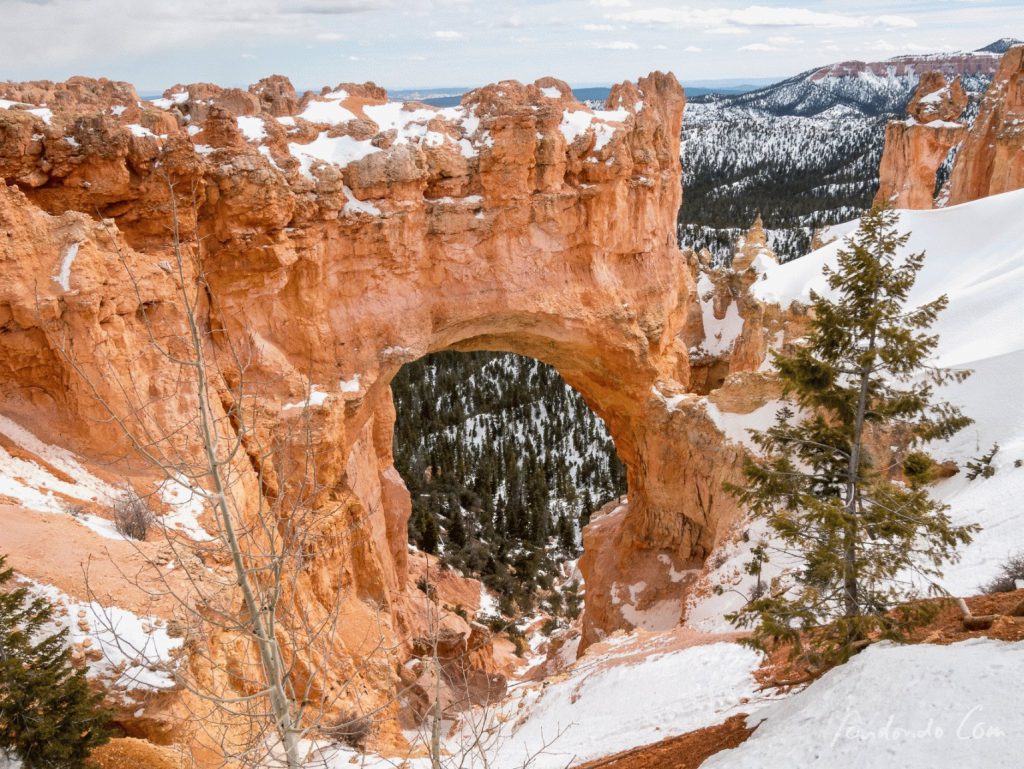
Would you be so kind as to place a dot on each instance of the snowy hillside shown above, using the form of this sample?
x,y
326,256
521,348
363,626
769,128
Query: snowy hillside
x,y
803,152
799,173
868,88
913,707
505,463
975,255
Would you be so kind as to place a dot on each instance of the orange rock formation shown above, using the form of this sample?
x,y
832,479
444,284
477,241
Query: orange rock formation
x,y
340,237
991,160
917,146
990,154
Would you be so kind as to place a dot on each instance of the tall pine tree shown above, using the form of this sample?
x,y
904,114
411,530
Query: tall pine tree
x,y
49,717
853,533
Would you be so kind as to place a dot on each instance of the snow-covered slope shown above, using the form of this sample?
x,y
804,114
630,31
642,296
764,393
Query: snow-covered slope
x,y
975,255
620,697
627,691
912,707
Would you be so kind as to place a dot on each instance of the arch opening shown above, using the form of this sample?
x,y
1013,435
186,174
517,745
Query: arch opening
x,y
505,463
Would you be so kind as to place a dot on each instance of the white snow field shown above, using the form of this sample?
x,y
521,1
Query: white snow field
x,y
34,485
975,255
897,707
610,701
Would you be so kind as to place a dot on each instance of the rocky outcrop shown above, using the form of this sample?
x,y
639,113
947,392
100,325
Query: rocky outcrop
x,y
326,241
915,148
991,159
987,158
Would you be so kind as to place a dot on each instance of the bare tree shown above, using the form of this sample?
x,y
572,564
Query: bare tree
x,y
267,684
262,680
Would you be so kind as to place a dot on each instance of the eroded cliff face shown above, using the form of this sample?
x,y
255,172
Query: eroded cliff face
x,y
327,240
991,159
916,147
989,155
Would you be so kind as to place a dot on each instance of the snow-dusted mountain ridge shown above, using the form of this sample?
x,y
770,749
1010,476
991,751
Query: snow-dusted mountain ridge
x,y
803,152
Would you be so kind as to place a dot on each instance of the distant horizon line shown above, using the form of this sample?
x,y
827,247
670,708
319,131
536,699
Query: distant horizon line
x,y
442,91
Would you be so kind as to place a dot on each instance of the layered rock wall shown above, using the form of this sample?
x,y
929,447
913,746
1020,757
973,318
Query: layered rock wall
x,y
324,241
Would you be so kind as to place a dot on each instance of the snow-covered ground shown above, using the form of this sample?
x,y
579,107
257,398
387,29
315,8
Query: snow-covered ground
x,y
124,651
51,482
629,690
50,479
627,693
975,255
912,707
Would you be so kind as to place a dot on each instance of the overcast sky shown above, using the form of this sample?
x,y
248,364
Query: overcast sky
x,y
424,43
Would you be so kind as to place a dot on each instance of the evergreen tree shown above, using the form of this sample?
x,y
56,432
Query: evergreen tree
x,y
566,536
573,599
429,533
853,531
49,717
586,510
456,528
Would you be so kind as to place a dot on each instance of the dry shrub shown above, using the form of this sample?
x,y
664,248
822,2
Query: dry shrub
x,y
1011,571
132,516
350,729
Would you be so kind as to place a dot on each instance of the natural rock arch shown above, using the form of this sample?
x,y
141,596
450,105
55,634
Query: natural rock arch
x,y
533,226
558,251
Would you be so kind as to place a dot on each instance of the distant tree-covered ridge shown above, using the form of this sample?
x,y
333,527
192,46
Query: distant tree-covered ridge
x,y
505,463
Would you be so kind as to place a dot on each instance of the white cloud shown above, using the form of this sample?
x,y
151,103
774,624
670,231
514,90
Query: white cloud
x,y
755,16
611,3
758,47
693,49
69,32
617,45
598,27
895,21
726,31
329,37
783,40
448,34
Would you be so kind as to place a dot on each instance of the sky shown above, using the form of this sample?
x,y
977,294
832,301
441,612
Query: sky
x,y
455,43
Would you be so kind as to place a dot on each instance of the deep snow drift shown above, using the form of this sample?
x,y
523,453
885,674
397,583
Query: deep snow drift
x,y
912,707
